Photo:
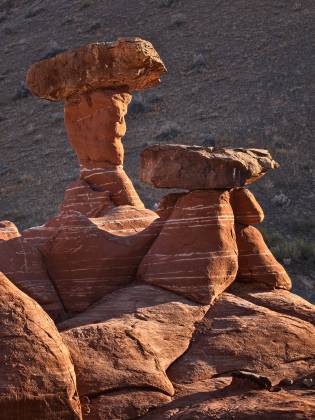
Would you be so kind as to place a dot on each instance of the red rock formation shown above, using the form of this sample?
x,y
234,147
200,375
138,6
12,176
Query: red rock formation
x,y
128,340
95,125
130,62
37,379
195,254
112,179
23,264
88,258
79,196
8,230
195,167
256,262
246,209
195,350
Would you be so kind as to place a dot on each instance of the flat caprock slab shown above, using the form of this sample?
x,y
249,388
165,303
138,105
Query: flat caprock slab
x,y
132,63
195,167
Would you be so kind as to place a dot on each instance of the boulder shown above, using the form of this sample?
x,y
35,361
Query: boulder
x,y
195,254
195,167
256,262
23,264
129,339
246,209
8,230
79,196
131,63
37,379
87,258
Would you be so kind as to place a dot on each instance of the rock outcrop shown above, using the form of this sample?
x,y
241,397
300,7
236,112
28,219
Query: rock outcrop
x,y
181,313
195,254
37,379
195,167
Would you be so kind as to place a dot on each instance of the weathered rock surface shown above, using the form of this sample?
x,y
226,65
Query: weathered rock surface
x,y
239,335
246,209
95,125
8,230
23,264
79,196
131,63
167,203
195,167
256,262
37,379
88,258
112,179
239,404
195,254
125,404
129,339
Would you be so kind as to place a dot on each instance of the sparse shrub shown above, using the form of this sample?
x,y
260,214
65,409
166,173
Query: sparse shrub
x,y
168,3
168,131
35,12
22,91
208,141
178,19
199,62
52,52
281,200
137,104
298,250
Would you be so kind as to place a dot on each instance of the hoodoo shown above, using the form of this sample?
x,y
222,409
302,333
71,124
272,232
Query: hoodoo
x,y
113,311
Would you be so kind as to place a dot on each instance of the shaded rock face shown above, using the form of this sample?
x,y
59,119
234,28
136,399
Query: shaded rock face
x,y
256,262
130,338
88,258
127,62
246,209
37,378
195,167
150,318
24,265
195,254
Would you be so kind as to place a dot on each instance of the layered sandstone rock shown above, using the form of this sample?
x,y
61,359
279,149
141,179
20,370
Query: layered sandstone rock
x,y
79,196
88,258
23,264
195,254
195,167
256,262
112,179
37,379
246,208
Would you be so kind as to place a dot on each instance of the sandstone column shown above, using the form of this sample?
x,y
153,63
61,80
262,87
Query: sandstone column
x,y
96,82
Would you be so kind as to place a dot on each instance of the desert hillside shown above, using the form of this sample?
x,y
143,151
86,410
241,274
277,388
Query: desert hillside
x,y
240,74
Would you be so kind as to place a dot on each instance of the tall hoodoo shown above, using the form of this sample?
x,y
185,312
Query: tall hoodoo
x,y
96,82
